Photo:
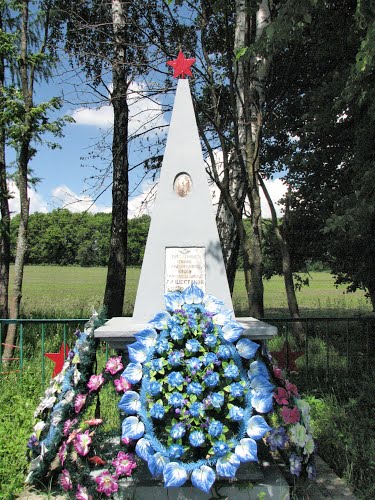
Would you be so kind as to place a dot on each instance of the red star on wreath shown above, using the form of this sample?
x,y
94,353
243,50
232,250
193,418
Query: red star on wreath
x,y
181,66
286,358
58,358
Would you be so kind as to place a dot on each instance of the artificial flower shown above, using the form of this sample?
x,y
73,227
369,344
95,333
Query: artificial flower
x,y
155,388
82,443
79,402
231,371
175,379
67,426
106,483
203,478
291,388
82,493
236,413
281,396
194,388
95,382
62,453
65,481
121,384
124,464
295,463
175,451
192,345
215,428
114,365
290,415
277,438
157,411
196,438
298,435
177,431
174,475
94,421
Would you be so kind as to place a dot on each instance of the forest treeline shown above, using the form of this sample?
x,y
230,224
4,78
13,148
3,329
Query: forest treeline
x,y
65,238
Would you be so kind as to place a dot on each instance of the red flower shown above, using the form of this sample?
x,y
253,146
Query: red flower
x,y
290,415
281,396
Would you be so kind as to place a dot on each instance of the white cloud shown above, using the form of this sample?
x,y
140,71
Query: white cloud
x,y
64,197
144,113
37,203
143,202
97,117
276,189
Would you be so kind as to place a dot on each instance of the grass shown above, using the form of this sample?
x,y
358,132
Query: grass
x,y
53,291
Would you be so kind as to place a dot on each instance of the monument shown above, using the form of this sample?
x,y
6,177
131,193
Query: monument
x,y
183,244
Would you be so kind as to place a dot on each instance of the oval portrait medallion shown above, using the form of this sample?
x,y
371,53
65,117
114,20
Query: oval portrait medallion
x,y
183,184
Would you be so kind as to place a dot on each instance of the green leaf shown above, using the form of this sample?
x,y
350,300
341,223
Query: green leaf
x,y
240,53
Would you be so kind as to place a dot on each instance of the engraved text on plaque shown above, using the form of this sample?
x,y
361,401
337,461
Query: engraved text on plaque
x,y
183,266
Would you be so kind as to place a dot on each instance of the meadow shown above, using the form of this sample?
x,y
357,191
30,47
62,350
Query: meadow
x,y
342,409
68,292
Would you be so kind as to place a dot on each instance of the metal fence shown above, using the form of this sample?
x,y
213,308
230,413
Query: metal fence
x,y
312,346
326,346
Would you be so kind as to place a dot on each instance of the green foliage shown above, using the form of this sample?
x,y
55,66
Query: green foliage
x,y
343,423
65,238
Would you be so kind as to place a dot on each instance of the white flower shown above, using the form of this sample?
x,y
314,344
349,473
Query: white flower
x,y
76,376
298,435
56,417
309,446
68,397
38,427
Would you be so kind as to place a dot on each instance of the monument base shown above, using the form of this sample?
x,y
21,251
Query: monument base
x,y
253,481
119,332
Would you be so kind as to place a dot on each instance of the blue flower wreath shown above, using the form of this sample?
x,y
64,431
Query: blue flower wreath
x,y
197,411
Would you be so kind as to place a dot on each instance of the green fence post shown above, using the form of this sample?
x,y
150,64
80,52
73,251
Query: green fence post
x,y
64,338
21,351
43,365
1,346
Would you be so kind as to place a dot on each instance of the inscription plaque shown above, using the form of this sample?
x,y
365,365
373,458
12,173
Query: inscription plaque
x,y
183,266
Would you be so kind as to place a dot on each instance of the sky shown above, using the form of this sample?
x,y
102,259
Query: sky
x,y
67,175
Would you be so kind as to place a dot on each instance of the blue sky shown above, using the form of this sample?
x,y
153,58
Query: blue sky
x,y
65,176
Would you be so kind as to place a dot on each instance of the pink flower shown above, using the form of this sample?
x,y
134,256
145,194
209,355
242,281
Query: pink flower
x,y
114,365
72,436
65,481
79,402
122,385
106,483
290,415
94,421
68,424
95,382
126,440
291,388
277,372
82,493
82,443
62,453
124,464
281,396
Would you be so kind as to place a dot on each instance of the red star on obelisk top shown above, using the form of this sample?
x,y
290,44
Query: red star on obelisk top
x,y
287,358
58,358
181,66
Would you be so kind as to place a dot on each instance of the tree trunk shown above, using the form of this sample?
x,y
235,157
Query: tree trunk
x,y
116,274
5,214
249,103
286,267
22,177
229,240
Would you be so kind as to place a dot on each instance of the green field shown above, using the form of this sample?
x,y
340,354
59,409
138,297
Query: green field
x,y
52,291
